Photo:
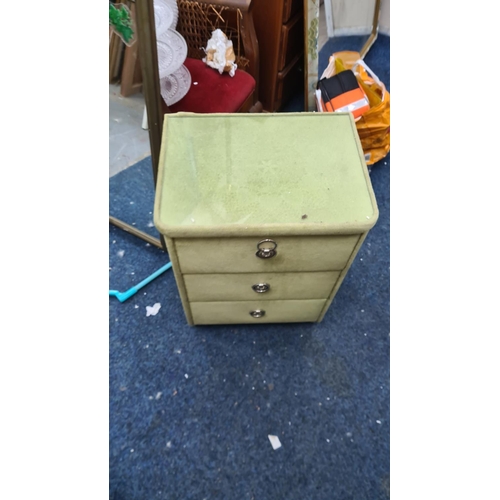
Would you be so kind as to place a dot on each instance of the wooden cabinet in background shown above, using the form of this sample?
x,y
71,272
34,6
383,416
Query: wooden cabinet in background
x,y
279,25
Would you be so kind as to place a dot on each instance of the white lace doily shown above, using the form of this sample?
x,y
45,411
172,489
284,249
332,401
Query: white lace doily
x,y
175,86
175,11
172,52
164,16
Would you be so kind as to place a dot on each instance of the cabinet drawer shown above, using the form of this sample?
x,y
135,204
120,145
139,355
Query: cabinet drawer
x,y
238,255
282,286
289,81
290,7
292,40
276,311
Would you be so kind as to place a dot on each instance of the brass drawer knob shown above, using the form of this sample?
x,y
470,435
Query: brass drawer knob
x,y
258,313
268,251
261,287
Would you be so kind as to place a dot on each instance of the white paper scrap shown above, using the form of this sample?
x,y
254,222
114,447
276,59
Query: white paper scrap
x,y
153,311
275,442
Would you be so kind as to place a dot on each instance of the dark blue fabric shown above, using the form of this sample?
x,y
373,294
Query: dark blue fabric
x,y
191,407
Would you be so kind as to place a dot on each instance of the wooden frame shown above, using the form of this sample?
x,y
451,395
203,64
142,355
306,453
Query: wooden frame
x,y
311,33
374,33
148,55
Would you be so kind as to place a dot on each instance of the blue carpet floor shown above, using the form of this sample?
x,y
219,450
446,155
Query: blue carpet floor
x,y
191,407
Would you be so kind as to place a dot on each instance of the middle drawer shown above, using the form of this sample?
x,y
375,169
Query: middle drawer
x,y
259,286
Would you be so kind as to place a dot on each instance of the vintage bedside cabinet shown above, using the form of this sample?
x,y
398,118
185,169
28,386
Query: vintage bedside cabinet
x,y
262,213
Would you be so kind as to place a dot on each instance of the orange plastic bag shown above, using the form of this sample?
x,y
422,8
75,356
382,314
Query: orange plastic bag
x,y
374,125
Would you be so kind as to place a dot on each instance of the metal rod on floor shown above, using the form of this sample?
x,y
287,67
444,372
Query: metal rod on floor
x,y
136,232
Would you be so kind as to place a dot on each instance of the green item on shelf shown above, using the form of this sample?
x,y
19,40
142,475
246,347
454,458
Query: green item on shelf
x,y
120,20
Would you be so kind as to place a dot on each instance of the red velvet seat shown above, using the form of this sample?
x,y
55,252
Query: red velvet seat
x,y
214,93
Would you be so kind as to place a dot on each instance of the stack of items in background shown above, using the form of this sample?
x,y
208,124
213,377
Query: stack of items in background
x,y
349,85
175,79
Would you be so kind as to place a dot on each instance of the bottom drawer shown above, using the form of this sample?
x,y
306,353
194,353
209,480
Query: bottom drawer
x,y
275,311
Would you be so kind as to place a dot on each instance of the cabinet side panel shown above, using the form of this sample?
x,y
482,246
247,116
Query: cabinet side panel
x,y
342,276
172,252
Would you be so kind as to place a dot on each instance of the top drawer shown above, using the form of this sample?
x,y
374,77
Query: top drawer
x,y
238,255
290,7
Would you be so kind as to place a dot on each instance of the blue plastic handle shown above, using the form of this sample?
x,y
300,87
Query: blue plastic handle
x,y
123,296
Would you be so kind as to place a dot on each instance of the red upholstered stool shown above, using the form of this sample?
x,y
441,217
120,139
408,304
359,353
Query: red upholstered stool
x,y
214,93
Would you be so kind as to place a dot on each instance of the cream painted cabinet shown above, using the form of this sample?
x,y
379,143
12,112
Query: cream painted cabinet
x,y
262,214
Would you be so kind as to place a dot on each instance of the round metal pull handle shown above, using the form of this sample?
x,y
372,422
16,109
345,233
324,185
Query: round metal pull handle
x,y
261,287
258,313
266,252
